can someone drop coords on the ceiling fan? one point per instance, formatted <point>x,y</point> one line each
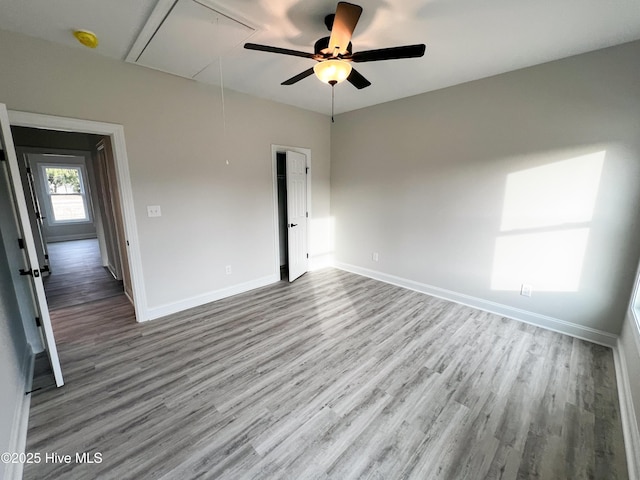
<point>334,54</point>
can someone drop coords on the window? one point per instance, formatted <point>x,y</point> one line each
<point>64,185</point>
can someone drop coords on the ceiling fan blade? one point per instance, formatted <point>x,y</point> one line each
<point>357,80</point>
<point>347,16</point>
<point>298,77</point>
<point>283,51</point>
<point>406,51</point>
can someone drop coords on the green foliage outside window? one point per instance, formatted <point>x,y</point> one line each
<point>63,180</point>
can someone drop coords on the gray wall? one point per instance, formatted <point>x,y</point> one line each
<point>14,353</point>
<point>213,214</point>
<point>473,188</point>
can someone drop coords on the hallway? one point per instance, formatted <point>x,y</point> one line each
<point>77,278</point>
<point>77,275</point>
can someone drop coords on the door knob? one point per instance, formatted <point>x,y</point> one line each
<point>293,225</point>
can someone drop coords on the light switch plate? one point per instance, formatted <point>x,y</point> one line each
<point>154,211</point>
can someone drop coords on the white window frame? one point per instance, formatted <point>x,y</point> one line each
<point>84,192</point>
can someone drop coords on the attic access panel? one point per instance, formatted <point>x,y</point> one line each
<point>187,39</point>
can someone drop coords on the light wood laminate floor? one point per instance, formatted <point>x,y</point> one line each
<point>333,377</point>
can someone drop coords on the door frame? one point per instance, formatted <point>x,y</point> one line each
<point>110,246</point>
<point>275,149</point>
<point>116,133</point>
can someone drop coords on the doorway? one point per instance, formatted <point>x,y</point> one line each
<point>120,171</point>
<point>36,269</point>
<point>292,191</point>
<point>70,201</point>
<point>283,246</point>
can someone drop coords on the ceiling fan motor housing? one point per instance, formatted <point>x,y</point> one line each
<point>321,47</point>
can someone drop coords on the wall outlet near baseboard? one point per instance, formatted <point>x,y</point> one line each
<point>227,269</point>
<point>525,290</point>
<point>374,256</point>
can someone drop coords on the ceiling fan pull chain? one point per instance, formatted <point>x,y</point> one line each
<point>224,113</point>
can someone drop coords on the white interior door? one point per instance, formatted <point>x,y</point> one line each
<point>30,257</point>
<point>35,212</point>
<point>297,214</point>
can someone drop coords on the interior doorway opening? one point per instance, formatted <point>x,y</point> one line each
<point>283,247</point>
<point>115,134</point>
<point>292,191</point>
<point>71,203</point>
<point>71,192</point>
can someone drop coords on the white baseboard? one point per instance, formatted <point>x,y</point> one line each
<point>627,413</point>
<point>543,321</point>
<point>67,238</point>
<point>170,308</point>
<point>18,440</point>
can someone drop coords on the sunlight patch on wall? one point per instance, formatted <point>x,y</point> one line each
<point>321,235</point>
<point>550,261</point>
<point>555,194</point>
<point>545,225</point>
<point>321,242</point>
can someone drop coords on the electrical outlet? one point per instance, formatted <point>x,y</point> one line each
<point>154,211</point>
<point>227,269</point>
<point>525,290</point>
<point>374,256</point>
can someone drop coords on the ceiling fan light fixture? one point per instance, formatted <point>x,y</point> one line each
<point>332,71</point>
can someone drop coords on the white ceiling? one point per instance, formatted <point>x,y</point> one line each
<point>466,39</point>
